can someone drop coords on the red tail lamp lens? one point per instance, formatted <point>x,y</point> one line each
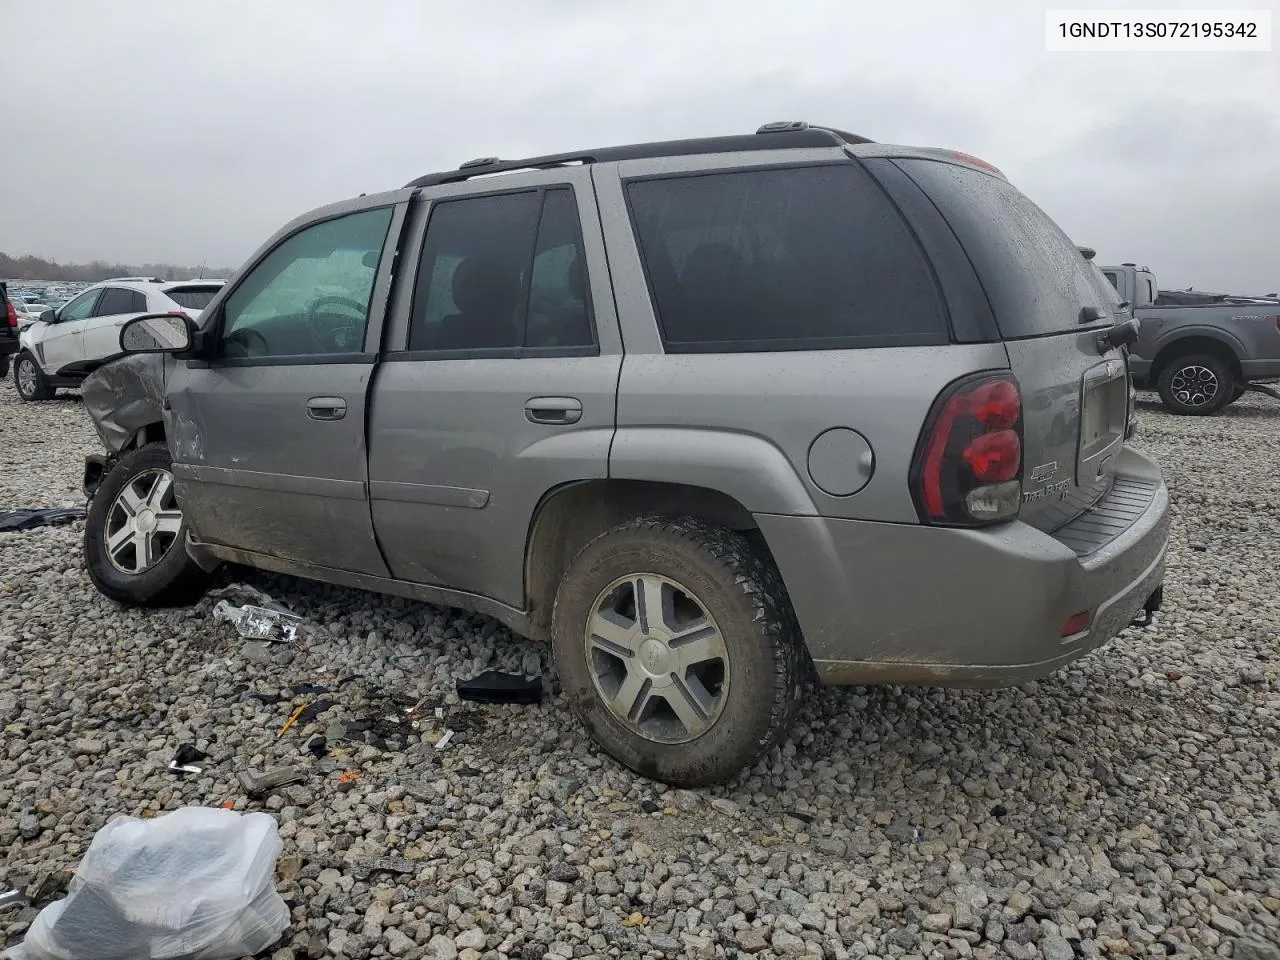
<point>994,457</point>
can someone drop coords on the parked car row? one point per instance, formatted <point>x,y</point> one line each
<point>710,416</point>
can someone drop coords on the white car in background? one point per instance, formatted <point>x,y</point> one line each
<point>28,312</point>
<point>64,346</point>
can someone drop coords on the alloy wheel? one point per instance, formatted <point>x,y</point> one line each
<point>143,523</point>
<point>1194,385</point>
<point>658,658</point>
<point>26,377</point>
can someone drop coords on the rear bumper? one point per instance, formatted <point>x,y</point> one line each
<point>911,604</point>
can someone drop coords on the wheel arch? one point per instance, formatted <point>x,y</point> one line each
<point>570,516</point>
<point>1202,341</point>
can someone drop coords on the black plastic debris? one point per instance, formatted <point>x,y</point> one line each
<point>32,517</point>
<point>494,687</point>
<point>187,760</point>
<point>317,745</point>
<point>650,806</point>
<point>256,784</point>
<point>301,688</point>
<point>312,711</point>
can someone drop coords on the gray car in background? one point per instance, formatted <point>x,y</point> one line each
<point>711,416</point>
<point>1200,351</point>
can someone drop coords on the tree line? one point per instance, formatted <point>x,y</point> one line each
<point>37,268</point>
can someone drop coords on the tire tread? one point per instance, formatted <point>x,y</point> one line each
<point>755,577</point>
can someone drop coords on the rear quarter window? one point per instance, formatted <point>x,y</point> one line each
<point>192,298</point>
<point>797,258</point>
<point>1033,274</point>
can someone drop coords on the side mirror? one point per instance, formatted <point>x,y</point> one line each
<point>156,333</point>
<point>48,316</point>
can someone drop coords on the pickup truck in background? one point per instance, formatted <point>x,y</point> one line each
<point>1200,351</point>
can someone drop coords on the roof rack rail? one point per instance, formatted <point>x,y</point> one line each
<point>132,280</point>
<point>781,135</point>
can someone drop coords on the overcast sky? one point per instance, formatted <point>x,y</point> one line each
<point>189,131</point>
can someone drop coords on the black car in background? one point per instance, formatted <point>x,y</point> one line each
<point>8,329</point>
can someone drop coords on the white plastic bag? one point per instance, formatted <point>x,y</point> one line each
<point>195,884</point>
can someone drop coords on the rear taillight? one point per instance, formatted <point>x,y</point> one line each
<point>975,161</point>
<point>967,469</point>
<point>13,314</point>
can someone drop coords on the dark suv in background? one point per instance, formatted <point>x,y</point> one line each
<point>8,330</point>
<point>710,416</point>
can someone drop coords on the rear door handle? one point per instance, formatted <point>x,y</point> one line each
<point>326,408</point>
<point>553,410</point>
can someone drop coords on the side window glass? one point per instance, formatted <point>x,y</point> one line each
<point>1113,279</point>
<point>471,283</point>
<point>310,295</point>
<point>114,301</point>
<point>80,307</point>
<point>785,259</point>
<point>138,302</point>
<point>559,311</point>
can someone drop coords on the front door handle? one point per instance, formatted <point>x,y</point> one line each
<point>326,408</point>
<point>554,410</point>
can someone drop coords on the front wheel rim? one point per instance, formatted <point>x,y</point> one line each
<point>658,659</point>
<point>143,522</point>
<point>1194,385</point>
<point>26,377</point>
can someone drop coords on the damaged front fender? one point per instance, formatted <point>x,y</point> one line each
<point>127,396</point>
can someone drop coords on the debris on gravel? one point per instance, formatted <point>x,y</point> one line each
<point>1125,806</point>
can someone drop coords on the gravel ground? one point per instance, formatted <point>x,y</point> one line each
<point>1125,807</point>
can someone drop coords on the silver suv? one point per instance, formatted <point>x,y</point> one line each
<point>711,416</point>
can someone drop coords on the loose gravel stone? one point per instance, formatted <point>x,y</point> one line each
<point>1121,807</point>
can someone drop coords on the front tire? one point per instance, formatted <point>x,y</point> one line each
<point>29,380</point>
<point>1196,385</point>
<point>135,535</point>
<point>677,648</point>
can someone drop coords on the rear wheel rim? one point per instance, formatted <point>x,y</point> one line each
<point>658,659</point>
<point>26,377</point>
<point>143,522</point>
<point>1194,385</point>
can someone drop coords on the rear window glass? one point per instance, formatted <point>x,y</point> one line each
<point>1033,274</point>
<point>193,298</point>
<point>801,258</point>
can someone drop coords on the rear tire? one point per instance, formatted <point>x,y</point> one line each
<point>4,366</point>
<point>29,380</point>
<point>698,709</point>
<point>135,535</point>
<point>1239,392</point>
<point>1196,384</point>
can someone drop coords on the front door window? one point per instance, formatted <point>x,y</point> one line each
<point>80,307</point>
<point>310,296</point>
